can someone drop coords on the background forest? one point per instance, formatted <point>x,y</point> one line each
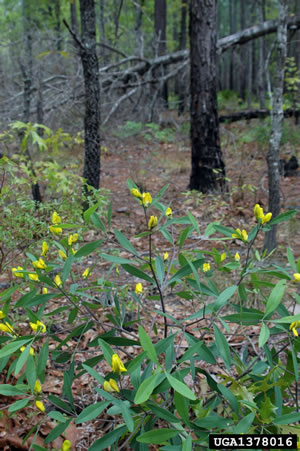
<point>149,244</point>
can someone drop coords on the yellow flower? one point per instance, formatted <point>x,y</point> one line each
<point>117,364</point>
<point>39,264</point>
<point>266,218</point>
<point>298,445</point>
<point>58,280</point>
<point>37,386</point>
<point>66,446</point>
<point>45,290</point>
<point>31,350</point>
<point>72,239</point>
<point>16,272</point>
<point>86,273</point>
<point>223,256</point>
<point>56,230</point>
<point>62,254</point>
<point>117,270</point>
<point>73,251</point>
<point>34,277</point>
<point>136,193</point>
<point>2,315</point>
<point>152,222</point>
<point>237,257</point>
<point>240,235</point>
<point>111,386</point>
<point>206,267</point>
<point>6,327</point>
<point>40,406</point>
<point>45,248</point>
<point>258,212</point>
<point>169,212</point>
<point>139,288</point>
<point>55,218</point>
<point>38,326</point>
<point>244,235</point>
<point>297,277</point>
<point>146,199</point>
<point>166,256</point>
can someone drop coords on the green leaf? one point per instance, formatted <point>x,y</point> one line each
<point>193,221</point>
<point>222,346</point>
<point>42,360</point>
<point>224,296</point>
<point>97,222</point>
<point>88,248</point>
<point>227,393</point>
<point>94,373</point>
<point>145,389</point>
<point>91,412</point>
<point>124,242</point>
<point>57,431</point>
<point>275,297</point>
<point>137,273</point>
<point>13,346</point>
<point>187,444</point>
<point>163,413</point>
<point>180,387</point>
<point>67,268</point>
<point>19,405</point>
<point>224,230</point>
<point>57,416</point>
<point>22,359</point>
<point>160,268</point>
<point>59,403</point>
<point>87,214</point>
<point>263,335</point>
<point>10,390</point>
<point>246,318</point>
<point>108,439</point>
<point>107,351</point>
<point>291,259</point>
<point>283,217</point>
<point>109,213</point>
<point>24,300</point>
<point>126,414</point>
<point>157,436</point>
<point>115,259</point>
<point>186,270</point>
<point>147,345</point>
<point>288,418</point>
<point>244,425</point>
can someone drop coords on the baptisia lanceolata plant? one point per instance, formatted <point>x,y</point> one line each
<point>170,339</point>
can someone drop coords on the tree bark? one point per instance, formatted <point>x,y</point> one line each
<point>261,57</point>
<point>160,23</point>
<point>89,59</point>
<point>208,168</point>
<point>277,120</point>
<point>182,46</point>
<point>243,53</point>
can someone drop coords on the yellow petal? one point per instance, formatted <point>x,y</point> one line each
<point>58,280</point>
<point>40,406</point>
<point>37,386</point>
<point>117,364</point>
<point>297,277</point>
<point>206,267</point>
<point>66,446</point>
<point>152,222</point>
<point>62,254</point>
<point>56,219</point>
<point>223,256</point>
<point>2,315</point>
<point>146,199</point>
<point>237,257</point>
<point>45,248</point>
<point>139,288</point>
<point>136,193</point>
<point>169,212</point>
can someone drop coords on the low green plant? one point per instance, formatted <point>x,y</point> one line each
<point>150,131</point>
<point>261,131</point>
<point>169,380</point>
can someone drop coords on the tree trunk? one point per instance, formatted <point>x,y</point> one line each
<point>277,120</point>
<point>58,25</point>
<point>243,54</point>
<point>160,23</point>
<point>89,59</point>
<point>73,15</point>
<point>182,46</point>
<point>138,28</point>
<point>27,70</point>
<point>261,57</point>
<point>208,169</point>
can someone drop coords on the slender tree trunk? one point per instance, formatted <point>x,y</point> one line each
<point>261,57</point>
<point>182,46</point>
<point>277,121</point>
<point>58,25</point>
<point>73,14</point>
<point>27,69</point>
<point>208,169</point>
<point>243,53</point>
<point>138,28</point>
<point>160,24</point>
<point>231,31</point>
<point>89,59</point>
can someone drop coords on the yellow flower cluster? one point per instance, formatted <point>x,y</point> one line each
<point>6,327</point>
<point>86,273</point>
<point>72,239</point>
<point>152,222</point>
<point>56,219</point>
<point>169,212</point>
<point>16,271</point>
<point>223,256</point>
<point>260,216</point>
<point>111,386</point>
<point>40,406</point>
<point>58,280</point>
<point>145,198</point>
<point>117,364</point>
<point>139,288</point>
<point>294,326</point>
<point>240,235</point>
<point>45,249</point>
<point>38,326</point>
<point>31,350</point>
<point>206,267</point>
<point>66,446</point>
<point>40,264</point>
<point>296,277</point>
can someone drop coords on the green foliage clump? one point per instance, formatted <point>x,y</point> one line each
<point>261,131</point>
<point>165,379</point>
<point>150,131</point>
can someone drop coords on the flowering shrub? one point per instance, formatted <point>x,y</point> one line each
<point>182,378</point>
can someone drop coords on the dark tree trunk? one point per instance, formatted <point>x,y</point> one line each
<point>208,169</point>
<point>57,25</point>
<point>182,46</point>
<point>73,15</point>
<point>261,57</point>
<point>91,171</point>
<point>160,24</point>
<point>231,31</point>
<point>243,54</point>
<point>138,28</point>
<point>27,70</point>
<point>277,120</point>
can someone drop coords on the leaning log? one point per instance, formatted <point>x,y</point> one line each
<point>255,114</point>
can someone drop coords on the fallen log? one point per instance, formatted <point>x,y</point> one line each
<point>255,114</point>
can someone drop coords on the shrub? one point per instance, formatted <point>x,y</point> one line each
<point>174,382</point>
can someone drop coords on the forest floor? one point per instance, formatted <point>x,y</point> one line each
<point>152,165</point>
